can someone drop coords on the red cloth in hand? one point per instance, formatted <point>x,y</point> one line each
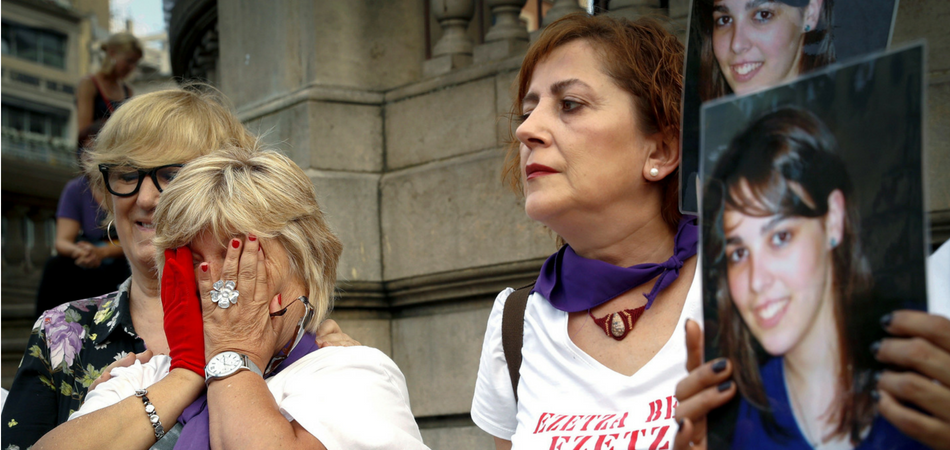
<point>183,323</point>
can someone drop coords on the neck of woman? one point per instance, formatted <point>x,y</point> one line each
<point>109,78</point>
<point>145,307</point>
<point>622,242</point>
<point>812,371</point>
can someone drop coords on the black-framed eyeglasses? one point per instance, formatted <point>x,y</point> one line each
<point>125,181</point>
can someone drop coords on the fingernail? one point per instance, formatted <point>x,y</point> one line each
<point>280,300</point>
<point>719,365</point>
<point>875,347</point>
<point>724,385</point>
<point>877,377</point>
<point>204,267</point>
<point>886,320</point>
<point>251,237</point>
<point>876,396</point>
<point>235,243</point>
<point>679,425</point>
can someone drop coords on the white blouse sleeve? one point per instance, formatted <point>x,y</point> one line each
<point>348,398</point>
<point>124,382</point>
<point>494,408</point>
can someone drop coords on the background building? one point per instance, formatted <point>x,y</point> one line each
<point>48,45</point>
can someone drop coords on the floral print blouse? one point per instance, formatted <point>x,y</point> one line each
<point>68,349</point>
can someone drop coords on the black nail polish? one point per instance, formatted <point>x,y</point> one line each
<point>886,320</point>
<point>875,347</point>
<point>876,396</point>
<point>725,385</point>
<point>719,365</point>
<point>679,425</point>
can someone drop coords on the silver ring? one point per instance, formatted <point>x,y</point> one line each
<point>224,294</point>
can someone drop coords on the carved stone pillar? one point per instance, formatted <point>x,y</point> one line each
<point>41,249</point>
<point>508,36</point>
<point>560,9</point>
<point>454,49</point>
<point>634,9</point>
<point>14,242</point>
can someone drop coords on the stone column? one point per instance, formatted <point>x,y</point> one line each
<point>560,9</point>
<point>40,251</point>
<point>508,36</point>
<point>454,49</point>
<point>679,17</point>
<point>634,9</point>
<point>14,243</point>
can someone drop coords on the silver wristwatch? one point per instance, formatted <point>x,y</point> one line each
<point>225,364</point>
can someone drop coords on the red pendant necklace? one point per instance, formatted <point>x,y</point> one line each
<point>618,324</point>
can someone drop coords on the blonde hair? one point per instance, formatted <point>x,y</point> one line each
<point>119,42</point>
<point>237,191</point>
<point>164,127</point>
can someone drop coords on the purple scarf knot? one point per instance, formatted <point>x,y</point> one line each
<point>573,283</point>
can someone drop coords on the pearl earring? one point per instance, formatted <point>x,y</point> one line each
<point>654,172</point>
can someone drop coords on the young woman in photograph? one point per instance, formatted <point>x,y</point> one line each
<point>747,45</point>
<point>792,289</point>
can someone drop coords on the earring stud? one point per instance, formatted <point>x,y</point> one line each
<point>834,242</point>
<point>654,172</point>
<point>807,28</point>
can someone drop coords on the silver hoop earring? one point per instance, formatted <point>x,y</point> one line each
<point>108,234</point>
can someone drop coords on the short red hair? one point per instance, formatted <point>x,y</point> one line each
<point>642,57</point>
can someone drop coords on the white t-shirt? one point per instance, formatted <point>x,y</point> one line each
<point>568,400</point>
<point>347,397</point>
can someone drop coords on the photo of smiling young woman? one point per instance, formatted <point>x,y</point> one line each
<point>737,47</point>
<point>791,287</point>
<point>748,45</point>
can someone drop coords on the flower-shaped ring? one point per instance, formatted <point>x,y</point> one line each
<point>224,294</point>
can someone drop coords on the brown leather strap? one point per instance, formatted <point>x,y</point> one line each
<point>512,332</point>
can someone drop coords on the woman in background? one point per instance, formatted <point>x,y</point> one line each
<point>101,93</point>
<point>88,262</point>
<point>748,45</point>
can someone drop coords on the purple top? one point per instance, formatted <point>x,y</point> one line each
<point>573,283</point>
<point>77,203</point>
<point>195,433</point>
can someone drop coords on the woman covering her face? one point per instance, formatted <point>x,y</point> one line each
<point>748,45</point>
<point>249,270</point>
<point>793,290</point>
<point>596,157</point>
<point>139,151</point>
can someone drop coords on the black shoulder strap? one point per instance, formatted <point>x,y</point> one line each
<point>512,332</point>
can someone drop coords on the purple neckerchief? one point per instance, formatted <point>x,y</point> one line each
<point>195,433</point>
<point>573,283</point>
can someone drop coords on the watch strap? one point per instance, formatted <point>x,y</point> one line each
<point>246,364</point>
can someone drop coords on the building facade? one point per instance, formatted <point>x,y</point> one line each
<point>396,110</point>
<point>48,45</point>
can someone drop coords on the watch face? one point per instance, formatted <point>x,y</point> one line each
<point>224,364</point>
